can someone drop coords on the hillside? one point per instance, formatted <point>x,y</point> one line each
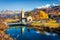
<point>53,12</point>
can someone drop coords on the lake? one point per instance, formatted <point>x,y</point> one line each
<point>16,34</point>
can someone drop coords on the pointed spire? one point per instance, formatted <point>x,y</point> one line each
<point>22,13</point>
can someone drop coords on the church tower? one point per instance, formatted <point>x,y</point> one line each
<point>22,13</point>
<point>23,19</point>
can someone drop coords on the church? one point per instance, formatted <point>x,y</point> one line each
<point>25,19</point>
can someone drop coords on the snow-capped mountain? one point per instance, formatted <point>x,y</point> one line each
<point>47,6</point>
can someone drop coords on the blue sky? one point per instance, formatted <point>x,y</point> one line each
<point>25,4</point>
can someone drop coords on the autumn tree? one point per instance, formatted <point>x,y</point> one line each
<point>29,13</point>
<point>43,15</point>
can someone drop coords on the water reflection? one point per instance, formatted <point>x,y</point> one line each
<point>29,34</point>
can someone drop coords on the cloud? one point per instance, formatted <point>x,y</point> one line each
<point>48,5</point>
<point>45,6</point>
<point>55,4</point>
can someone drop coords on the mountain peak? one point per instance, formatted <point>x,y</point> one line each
<point>47,6</point>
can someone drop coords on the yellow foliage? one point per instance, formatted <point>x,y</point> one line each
<point>10,20</point>
<point>43,15</point>
<point>40,15</point>
<point>51,25</point>
<point>36,23</point>
<point>51,21</point>
<point>46,24</point>
<point>58,13</point>
<point>33,18</point>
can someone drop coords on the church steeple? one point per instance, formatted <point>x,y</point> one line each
<point>22,16</point>
<point>22,13</point>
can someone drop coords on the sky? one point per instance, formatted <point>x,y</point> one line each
<point>25,4</point>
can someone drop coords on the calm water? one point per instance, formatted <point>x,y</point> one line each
<point>16,34</point>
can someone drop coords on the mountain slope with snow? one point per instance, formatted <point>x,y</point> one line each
<point>47,6</point>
